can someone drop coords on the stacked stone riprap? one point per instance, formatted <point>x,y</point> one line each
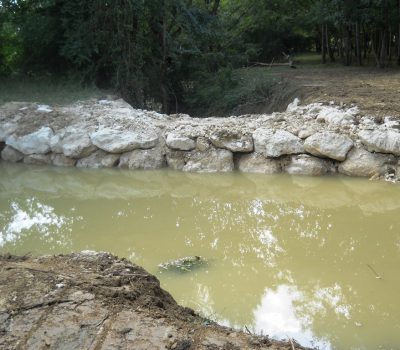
<point>315,139</point>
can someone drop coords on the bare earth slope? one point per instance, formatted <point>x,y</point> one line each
<point>96,301</point>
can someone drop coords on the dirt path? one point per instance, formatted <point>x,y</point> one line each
<point>375,91</point>
<point>96,301</point>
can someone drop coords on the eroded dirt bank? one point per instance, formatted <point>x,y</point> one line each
<point>96,301</point>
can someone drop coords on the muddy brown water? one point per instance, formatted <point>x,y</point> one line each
<point>316,259</point>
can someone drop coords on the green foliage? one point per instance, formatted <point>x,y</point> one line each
<point>185,54</point>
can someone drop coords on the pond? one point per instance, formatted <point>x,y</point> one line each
<point>316,259</point>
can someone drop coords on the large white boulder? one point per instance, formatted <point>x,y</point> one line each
<point>37,142</point>
<point>257,163</point>
<point>329,145</point>
<point>360,162</point>
<point>115,141</point>
<point>180,142</point>
<point>304,164</point>
<point>276,143</point>
<point>75,145</point>
<point>383,141</point>
<point>232,141</point>
<point>211,161</point>
<point>7,129</point>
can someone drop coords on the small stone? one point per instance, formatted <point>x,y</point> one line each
<point>202,144</point>
<point>180,142</point>
<point>98,159</point>
<point>232,141</point>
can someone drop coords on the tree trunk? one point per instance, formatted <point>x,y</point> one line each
<point>328,45</point>
<point>323,45</point>
<point>163,73</point>
<point>398,35</point>
<point>358,45</point>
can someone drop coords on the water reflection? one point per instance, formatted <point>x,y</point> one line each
<point>288,256</point>
<point>33,218</point>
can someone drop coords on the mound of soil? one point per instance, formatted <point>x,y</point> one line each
<point>96,301</point>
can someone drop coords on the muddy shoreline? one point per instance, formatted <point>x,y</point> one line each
<point>315,139</point>
<point>94,300</point>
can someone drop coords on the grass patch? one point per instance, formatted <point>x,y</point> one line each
<point>45,90</point>
<point>227,92</point>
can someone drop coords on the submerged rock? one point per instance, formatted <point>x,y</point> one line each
<point>329,145</point>
<point>383,141</point>
<point>37,142</point>
<point>185,264</point>
<point>276,144</point>
<point>360,162</point>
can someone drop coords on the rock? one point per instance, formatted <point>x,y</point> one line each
<point>202,144</point>
<point>257,163</point>
<point>328,144</point>
<point>304,164</point>
<point>98,159</point>
<point>77,145</point>
<point>306,132</point>
<point>276,144</point>
<point>180,142</point>
<point>10,154</point>
<point>115,141</point>
<point>176,159</point>
<point>360,162</point>
<point>185,264</point>
<point>2,145</point>
<point>143,159</point>
<point>232,141</point>
<point>211,161</point>
<point>37,142</point>
<point>383,141</point>
<point>44,109</point>
<point>37,159</point>
<point>6,130</point>
<point>61,160</point>
<point>292,107</point>
<point>333,115</point>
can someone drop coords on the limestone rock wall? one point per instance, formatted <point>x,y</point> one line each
<point>315,139</point>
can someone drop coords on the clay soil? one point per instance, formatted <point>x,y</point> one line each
<point>97,301</point>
